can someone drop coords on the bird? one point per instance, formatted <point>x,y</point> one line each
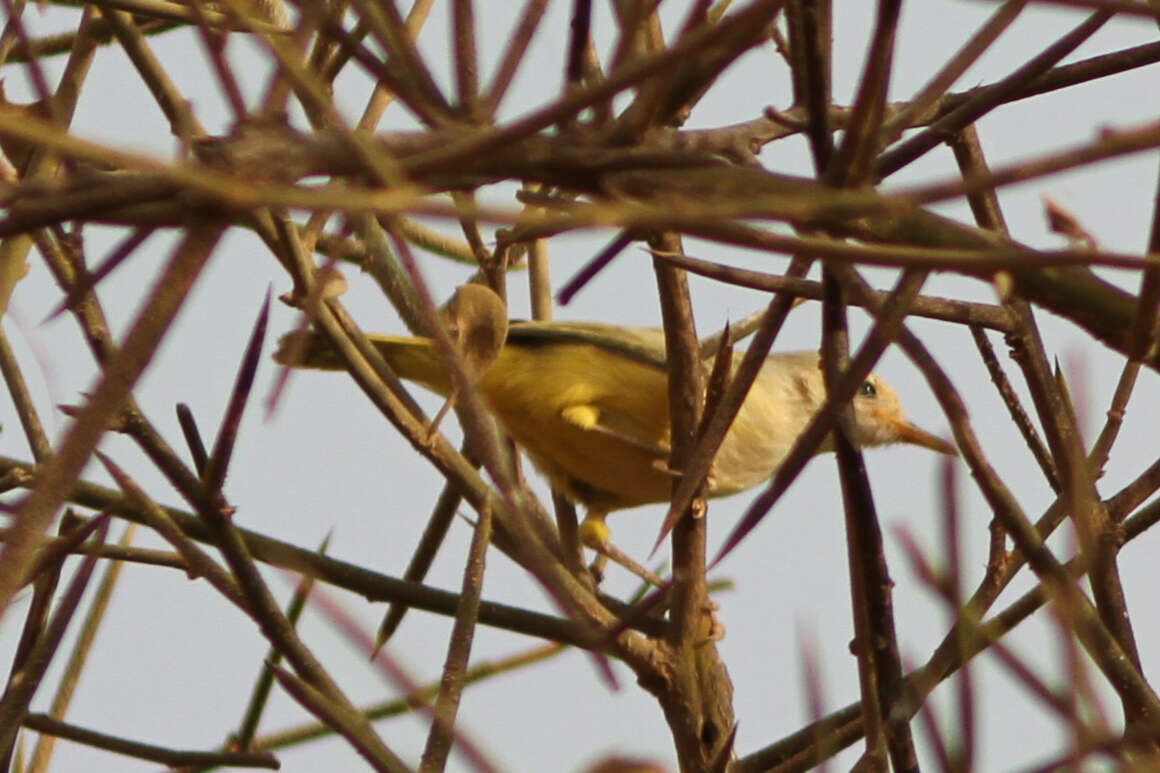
<point>588,403</point>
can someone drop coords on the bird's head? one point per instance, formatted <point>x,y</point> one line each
<point>880,420</point>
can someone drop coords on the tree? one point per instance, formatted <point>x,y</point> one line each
<point>449,170</point>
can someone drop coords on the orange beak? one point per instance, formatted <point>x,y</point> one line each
<point>905,432</point>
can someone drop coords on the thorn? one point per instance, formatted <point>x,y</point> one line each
<point>218,462</point>
<point>192,437</point>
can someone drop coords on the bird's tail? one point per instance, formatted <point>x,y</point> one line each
<point>414,359</point>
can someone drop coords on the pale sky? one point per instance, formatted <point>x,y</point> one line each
<point>326,461</point>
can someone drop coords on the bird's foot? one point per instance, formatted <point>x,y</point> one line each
<point>595,534</point>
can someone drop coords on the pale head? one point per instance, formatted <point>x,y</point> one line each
<point>878,414</point>
<point>788,392</point>
<point>880,420</point>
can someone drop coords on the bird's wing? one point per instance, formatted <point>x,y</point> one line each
<point>597,378</point>
<point>617,406</point>
<point>645,345</point>
<point>611,424</point>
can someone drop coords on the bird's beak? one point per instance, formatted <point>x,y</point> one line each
<point>905,432</point>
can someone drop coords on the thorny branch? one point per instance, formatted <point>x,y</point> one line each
<point>607,152</point>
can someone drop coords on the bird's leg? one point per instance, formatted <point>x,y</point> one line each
<point>595,534</point>
<point>596,568</point>
<point>433,427</point>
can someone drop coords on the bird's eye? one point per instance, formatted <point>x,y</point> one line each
<point>868,389</point>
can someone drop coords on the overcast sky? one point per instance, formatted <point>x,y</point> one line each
<point>327,462</point>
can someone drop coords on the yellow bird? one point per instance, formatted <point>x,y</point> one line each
<point>589,405</point>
